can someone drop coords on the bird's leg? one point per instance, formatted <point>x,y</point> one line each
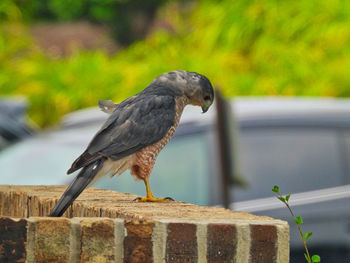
<point>149,195</point>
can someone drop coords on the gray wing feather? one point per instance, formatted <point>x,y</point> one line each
<point>135,123</point>
<point>107,106</point>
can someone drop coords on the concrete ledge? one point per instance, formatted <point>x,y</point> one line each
<point>109,227</point>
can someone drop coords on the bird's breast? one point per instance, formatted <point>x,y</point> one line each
<point>146,157</point>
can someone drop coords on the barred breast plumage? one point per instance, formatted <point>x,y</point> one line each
<point>146,157</point>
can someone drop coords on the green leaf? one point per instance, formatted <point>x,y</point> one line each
<point>307,259</point>
<point>316,258</point>
<point>307,235</point>
<point>275,189</point>
<point>282,199</point>
<point>298,220</point>
<point>287,197</point>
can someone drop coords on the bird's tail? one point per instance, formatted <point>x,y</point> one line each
<point>83,179</point>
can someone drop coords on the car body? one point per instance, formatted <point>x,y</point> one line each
<point>302,145</point>
<point>13,126</point>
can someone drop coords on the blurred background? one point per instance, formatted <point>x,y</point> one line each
<point>282,68</point>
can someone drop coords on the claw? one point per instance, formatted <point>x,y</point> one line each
<point>153,199</point>
<point>150,197</point>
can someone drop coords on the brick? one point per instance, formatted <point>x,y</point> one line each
<point>138,242</point>
<point>159,232</point>
<point>97,240</point>
<point>52,240</point>
<point>181,244</point>
<point>13,235</point>
<point>263,243</point>
<point>222,243</point>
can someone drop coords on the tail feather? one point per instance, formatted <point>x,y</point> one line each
<point>83,179</point>
<point>83,160</point>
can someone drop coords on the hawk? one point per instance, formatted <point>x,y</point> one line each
<point>136,131</point>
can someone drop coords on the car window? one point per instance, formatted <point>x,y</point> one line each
<point>181,172</point>
<point>296,159</point>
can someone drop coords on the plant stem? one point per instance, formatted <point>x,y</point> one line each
<point>300,232</point>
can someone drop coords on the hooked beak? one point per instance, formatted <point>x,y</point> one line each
<point>205,109</point>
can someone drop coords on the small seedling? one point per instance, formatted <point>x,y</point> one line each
<point>298,220</point>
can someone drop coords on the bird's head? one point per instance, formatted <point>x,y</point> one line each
<point>196,87</point>
<point>199,90</point>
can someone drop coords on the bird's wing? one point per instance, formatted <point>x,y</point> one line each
<point>135,124</point>
<point>107,106</point>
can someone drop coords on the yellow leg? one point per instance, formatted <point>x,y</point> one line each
<point>149,195</point>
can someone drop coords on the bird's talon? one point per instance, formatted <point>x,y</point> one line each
<point>153,199</point>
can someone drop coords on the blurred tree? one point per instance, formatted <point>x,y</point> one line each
<point>128,20</point>
<point>256,48</point>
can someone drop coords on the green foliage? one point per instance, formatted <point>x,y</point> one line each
<point>246,47</point>
<point>282,199</point>
<point>287,197</point>
<point>276,189</point>
<point>316,258</point>
<point>55,10</point>
<point>118,15</point>
<point>9,10</point>
<point>298,220</point>
<point>308,235</point>
<point>307,258</point>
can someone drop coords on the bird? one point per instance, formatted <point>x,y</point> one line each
<point>135,132</point>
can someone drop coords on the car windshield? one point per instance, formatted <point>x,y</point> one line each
<point>181,170</point>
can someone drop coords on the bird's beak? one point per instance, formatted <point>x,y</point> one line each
<point>205,109</point>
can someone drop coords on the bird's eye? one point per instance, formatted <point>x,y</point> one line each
<point>207,98</point>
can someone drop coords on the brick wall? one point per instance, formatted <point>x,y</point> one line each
<point>105,226</point>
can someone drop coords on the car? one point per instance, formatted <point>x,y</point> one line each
<point>300,144</point>
<point>13,126</point>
